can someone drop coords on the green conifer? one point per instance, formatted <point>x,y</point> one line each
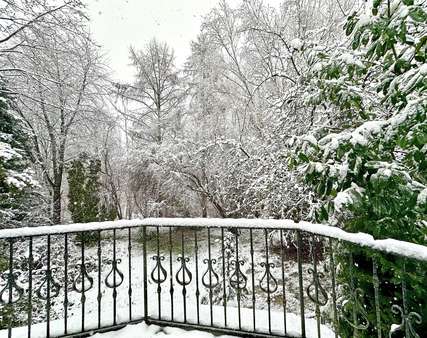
<point>15,176</point>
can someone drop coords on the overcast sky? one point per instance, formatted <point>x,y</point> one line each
<point>117,24</point>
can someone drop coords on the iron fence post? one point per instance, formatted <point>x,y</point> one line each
<point>301,285</point>
<point>144,249</point>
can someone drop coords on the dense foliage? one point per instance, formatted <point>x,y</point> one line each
<point>378,151</point>
<point>369,165</point>
<point>84,193</point>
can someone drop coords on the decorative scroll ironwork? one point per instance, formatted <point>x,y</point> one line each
<point>48,280</point>
<point>210,274</point>
<point>354,306</point>
<point>78,284</point>
<point>160,276</point>
<point>11,286</point>
<point>408,319</point>
<point>316,288</point>
<point>268,283</point>
<point>114,269</point>
<point>238,280</point>
<point>183,272</point>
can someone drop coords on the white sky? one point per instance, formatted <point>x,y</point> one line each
<point>117,24</point>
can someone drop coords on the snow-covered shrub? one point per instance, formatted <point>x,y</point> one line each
<point>368,163</point>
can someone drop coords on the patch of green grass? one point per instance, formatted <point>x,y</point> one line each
<point>3,264</point>
<point>89,238</point>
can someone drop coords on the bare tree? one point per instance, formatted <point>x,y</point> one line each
<point>18,15</point>
<point>157,90</point>
<point>56,94</point>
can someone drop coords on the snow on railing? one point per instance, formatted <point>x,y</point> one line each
<point>392,246</point>
<point>248,277</point>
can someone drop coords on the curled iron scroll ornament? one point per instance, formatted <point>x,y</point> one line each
<point>183,275</point>
<point>78,281</point>
<point>11,285</point>
<point>161,274</point>
<point>238,280</point>
<point>114,269</point>
<point>407,322</point>
<point>315,289</point>
<point>54,285</point>
<point>353,308</point>
<point>268,283</point>
<point>210,274</point>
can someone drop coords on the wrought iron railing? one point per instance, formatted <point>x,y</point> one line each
<point>259,278</point>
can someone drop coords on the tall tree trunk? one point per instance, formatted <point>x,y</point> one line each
<point>204,205</point>
<point>56,202</point>
<point>57,186</point>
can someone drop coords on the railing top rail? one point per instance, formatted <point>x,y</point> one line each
<point>392,246</point>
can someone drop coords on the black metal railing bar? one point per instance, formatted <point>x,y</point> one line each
<point>225,276</point>
<point>391,246</point>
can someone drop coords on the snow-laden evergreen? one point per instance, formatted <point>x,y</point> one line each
<point>15,174</point>
<point>371,156</point>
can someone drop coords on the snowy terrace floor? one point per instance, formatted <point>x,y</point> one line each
<point>139,330</point>
<point>148,331</point>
